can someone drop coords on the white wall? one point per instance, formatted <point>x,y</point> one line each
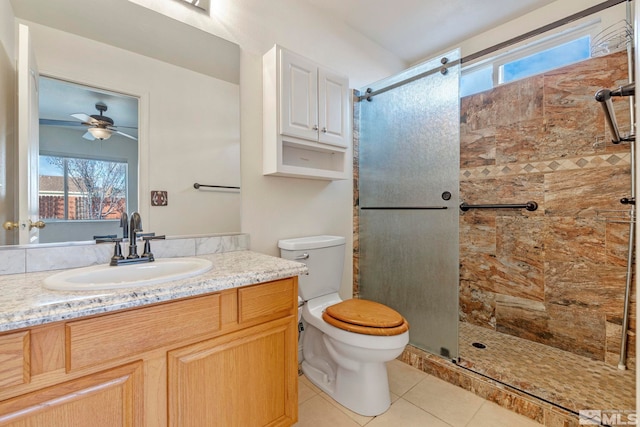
<point>274,207</point>
<point>7,125</point>
<point>189,128</point>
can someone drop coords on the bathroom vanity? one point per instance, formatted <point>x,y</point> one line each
<point>219,349</point>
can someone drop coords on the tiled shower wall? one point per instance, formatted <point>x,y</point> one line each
<point>555,275</point>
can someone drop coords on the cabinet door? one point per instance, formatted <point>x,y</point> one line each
<point>248,378</point>
<point>333,108</point>
<point>298,97</point>
<point>107,399</point>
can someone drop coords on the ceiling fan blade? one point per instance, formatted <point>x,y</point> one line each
<point>52,122</point>
<point>126,135</point>
<point>84,118</point>
<point>88,136</point>
<point>125,127</point>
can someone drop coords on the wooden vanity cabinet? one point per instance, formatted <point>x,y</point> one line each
<point>224,359</point>
<point>105,399</point>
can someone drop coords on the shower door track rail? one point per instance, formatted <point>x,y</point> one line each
<point>370,93</point>
<point>530,206</point>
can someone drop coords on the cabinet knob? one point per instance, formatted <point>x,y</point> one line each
<point>324,130</point>
<point>315,127</point>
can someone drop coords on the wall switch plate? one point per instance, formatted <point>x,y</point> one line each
<point>159,198</point>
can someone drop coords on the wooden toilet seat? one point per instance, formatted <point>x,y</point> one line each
<point>365,317</point>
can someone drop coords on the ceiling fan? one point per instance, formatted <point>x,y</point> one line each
<point>100,127</point>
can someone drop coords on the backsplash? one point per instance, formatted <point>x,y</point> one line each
<point>16,260</point>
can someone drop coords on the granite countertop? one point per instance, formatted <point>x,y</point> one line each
<point>24,302</point>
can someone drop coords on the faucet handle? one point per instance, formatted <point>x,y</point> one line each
<point>107,238</point>
<point>148,237</point>
<point>151,236</point>
<point>117,249</point>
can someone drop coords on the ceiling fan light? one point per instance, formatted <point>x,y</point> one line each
<point>100,133</point>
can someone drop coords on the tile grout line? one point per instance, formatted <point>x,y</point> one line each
<point>468,424</point>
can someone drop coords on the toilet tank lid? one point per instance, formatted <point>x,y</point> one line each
<point>312,242</point>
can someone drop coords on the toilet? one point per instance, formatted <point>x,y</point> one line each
<point>345,344</point>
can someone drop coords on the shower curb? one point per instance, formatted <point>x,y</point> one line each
<point>539,410</point>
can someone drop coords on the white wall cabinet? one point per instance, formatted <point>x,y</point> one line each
<point>306,118</point>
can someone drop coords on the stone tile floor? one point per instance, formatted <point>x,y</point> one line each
<point>418,399</point>
<point>561,377</point>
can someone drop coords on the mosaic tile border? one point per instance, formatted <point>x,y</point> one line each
<point>547,166</point>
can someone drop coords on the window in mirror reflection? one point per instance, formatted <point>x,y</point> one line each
<point>82,189</point>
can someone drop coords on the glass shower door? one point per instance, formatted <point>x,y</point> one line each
<point>408,198</point>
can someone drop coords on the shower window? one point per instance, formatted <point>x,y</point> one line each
<point>476,80</point>
<point>533,58</point>
<point>545,60</point>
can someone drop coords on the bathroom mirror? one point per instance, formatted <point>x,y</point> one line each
<point>186,83</point>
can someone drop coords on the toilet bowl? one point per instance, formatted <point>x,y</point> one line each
<point>346,343</point>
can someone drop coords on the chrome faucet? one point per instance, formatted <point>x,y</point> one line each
<point>135,227</point>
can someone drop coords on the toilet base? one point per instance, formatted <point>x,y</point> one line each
<point>365,391</point>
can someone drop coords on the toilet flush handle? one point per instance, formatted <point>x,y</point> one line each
<point>303,256</point>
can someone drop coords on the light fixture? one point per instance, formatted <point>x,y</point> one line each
<point>100,133</point>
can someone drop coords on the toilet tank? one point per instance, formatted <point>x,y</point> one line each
<point>324,257</point>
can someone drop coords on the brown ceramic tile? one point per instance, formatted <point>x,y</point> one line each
<point>571,89</point>
<point>477,233</point>
<point>508,400</point>
<point>585,285</point>
<point>477,147</point>
<point>574,240</point>
<point>617,243</point>
<point>556,418</point>
<point>573,329</point>
<point>520,247</point>
<point>477,111</point>
<point>477,306</point>
<point>531,98</point>
<point>506,103</point>
<point>520,142</point>
<point>581,192</point>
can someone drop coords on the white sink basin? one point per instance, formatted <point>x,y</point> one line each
<point>123,276</point>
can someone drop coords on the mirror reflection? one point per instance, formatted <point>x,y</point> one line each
<point>166,114</point>
<point>88,160</point>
